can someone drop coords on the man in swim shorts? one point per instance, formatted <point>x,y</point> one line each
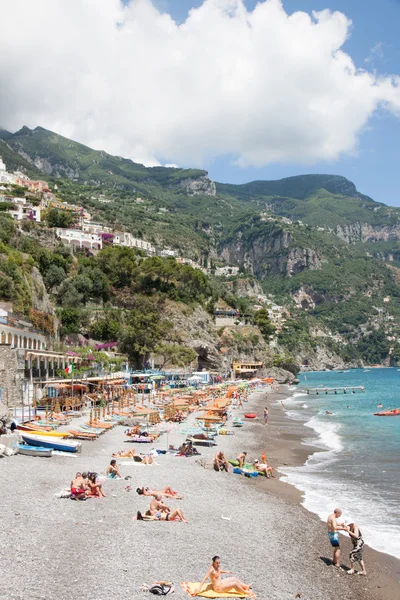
<point>333,535</point>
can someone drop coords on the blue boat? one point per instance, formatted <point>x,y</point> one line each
<point>51,442</point>
<point>34,450</point>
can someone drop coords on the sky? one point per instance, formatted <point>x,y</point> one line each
<point>247,90</point>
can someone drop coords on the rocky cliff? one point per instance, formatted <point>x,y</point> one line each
<point>364,232</point>
<point>273,252</point>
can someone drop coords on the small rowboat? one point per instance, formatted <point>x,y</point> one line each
<point>250,415</point>
<point>51,442</point>
<point>388,413</point>
<point>34,450</point>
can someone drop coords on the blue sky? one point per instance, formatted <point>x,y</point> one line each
<point>375,168</point>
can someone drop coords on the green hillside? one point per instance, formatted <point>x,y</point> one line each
<point>61,157</point>
<point>248,226</point>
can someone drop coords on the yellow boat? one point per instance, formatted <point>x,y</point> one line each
<point>60,434</point>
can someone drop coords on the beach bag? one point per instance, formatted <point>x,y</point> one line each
<point>160,589</point>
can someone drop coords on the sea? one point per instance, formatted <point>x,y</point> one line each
<point>358,465</point>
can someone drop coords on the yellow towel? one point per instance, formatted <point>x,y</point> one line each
<point>208,592</point>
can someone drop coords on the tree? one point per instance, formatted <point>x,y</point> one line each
<point>262,320</point>
<point>84,286</point>
<point>107,329</point>
<point>54,276</point>
<point>68,295</point>
<point>143,331</point>
<point>58,218</point>
<point>175,354</point>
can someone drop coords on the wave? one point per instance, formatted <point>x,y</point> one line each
<point>325,485</point>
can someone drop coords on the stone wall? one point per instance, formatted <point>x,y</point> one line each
<point>11,376</point>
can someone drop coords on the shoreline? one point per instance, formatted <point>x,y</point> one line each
<point>286,447</point>
<point>258,526</point>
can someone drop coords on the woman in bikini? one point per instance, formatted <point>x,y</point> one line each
<point>167,492</point>
<point>220,585</point>
<point>95,489</point>
<point>175,515</point>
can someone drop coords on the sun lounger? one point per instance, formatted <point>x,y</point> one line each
<point>81,435</point>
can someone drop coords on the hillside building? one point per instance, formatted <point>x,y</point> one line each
<point>80,239</point>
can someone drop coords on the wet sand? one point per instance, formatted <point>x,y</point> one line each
<point>283,440</point>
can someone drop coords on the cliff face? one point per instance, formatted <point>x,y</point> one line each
<point>272,254</point>
<point>196,186</point>
<point>216,347</point>
<point>363,232</point>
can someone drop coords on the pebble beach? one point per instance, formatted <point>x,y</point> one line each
<point>54,549</point>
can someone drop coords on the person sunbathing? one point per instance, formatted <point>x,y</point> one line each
<point>144,459</point>
<point>263,468</point>
<point>113,471</point>
<point>167,492</point>
<point>78,487</point>
<point>157,506</point>
<point>175,515</point>
<point>95,488</point>
<point>124,454</point>
<point>220,585</point>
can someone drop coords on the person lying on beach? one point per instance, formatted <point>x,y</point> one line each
<point>220,462</point>
<point>333,528</point>
<point>144,459</point>
<point>124,454</point>
<point>263,468</point>
<point>157,505</point>
<point>167,492</point>
<point>113,470</point>
<point>175,515</point>
<point>241,459</point>
<point>78,487</point>
<point>95,488</point>
<point>220,585</point>
<point>356,555</point>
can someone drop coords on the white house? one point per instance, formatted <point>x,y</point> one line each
<point>124,238</point>
<point>80,239</point>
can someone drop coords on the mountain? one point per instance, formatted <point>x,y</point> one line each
<point>328,201</point>
<point>314,244</point>
<point>58,156</point>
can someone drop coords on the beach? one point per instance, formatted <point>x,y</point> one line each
<point>53,548</point>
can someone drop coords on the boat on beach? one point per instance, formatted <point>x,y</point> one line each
<point>27,450</point>
<point>58,434</point>
<point>51,442</point>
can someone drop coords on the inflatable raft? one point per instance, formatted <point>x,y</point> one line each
<point>388,413</point>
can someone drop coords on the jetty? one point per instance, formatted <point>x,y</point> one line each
<point>319,391</point>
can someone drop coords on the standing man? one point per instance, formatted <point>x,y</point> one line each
<point>266,416</point>
<point>333,535</point>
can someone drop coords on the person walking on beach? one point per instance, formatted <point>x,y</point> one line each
<point>266,416</point>
<point>356,555</point>
<point>333,535</point>
<point>220,585</point>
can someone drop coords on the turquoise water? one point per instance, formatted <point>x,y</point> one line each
<point>358,468</point>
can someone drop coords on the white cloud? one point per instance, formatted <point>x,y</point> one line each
<point>259,85</point>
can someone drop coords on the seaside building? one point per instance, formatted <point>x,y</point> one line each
<point>246,370</point>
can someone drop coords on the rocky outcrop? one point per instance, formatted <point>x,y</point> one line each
<point>246,288</point>
<point>364,232</point>
<point>272,253</point>
<point>197,186</point>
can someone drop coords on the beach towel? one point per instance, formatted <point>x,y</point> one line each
<point>208,592</point>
